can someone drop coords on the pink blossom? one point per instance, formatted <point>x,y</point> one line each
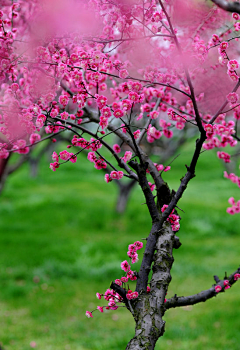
<point>98,295</point>
<point>101,101</point>
<point>236,276</point>
<point>114,175</point>
<point>55,157</point>
<point>233,76</point>
<point>148,289</point>
<point>134,295</point>
<point>123,73</point>
<point>232,97</point>
<point>54,166</point>
<point>152,186</point>
<point>125,266</point>
<point>63,99</point>
<point>33,344</point>
<point>120,174</point>
<point>135,258</point>
<point>124,279</point>
<point>64,115</point>
<point>92,157</point>
<point>231,210</point>
<point>215,38</point>
<point>133,96</point>
<point>34,138</point>
<point>138,245</point>
<point>237,26</point>
<point>118,281</point>
<point>127,105</point>
<point>235,16</point>
<point>154,114</point>
<point>131,295</point>
<point>4,153</point>
<point>131,275</point>
<point>88,314</point>
<point>136,134</point>
<point>64,155</point>
<point>100,308</point>
<point>225,156</point>
<point>226,282</point>
<point>116,148</point>
<point>118,113</point>
<point>218,288</point>
<point>224,45</point>
<point>127,156</point>
<point>112,305</point>
<point>231,201</point>
<point>168,133</point>
<point>106,112</point>
<point>232,65</point>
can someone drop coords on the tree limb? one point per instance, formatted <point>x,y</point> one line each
<point>202,296</point>
<point>228,6</point>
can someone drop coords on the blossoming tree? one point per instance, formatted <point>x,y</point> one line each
<point>139,70</point>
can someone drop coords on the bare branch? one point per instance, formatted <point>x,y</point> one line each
<point>202,296</point>
<point>233,6</point>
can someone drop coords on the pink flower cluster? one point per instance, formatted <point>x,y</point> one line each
<point>232,97</point>
<point>113,297</point>
<point>132,250</point>
<point>99,163</point>
<point>131,295</point>
<point>173,219</point>
<point>224,156</point>
<point>232,177</point>
<point>236,276</point>
<point>114,175</point>
<point>223,130</point>
<point>218,288</point>
<point>180,120</point>
<point>64,155</point>
<point>235,208</point>
<point>160,167</point>
<point>127,156</point>
<point>153,134</point>
<point>93,144</point>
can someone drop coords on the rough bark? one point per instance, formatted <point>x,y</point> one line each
<point>149,307</point>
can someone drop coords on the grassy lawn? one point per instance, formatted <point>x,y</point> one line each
<point>61,242</point>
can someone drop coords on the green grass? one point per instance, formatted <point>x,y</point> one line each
<point>61,242</point>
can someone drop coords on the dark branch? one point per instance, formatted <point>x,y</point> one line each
<point>228,6</point>
<point>202,296</point>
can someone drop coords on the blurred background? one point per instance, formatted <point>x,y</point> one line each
<point>62,241</point>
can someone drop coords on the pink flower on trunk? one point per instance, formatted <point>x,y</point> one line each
<point>218,288</point>
<point>236,276</point>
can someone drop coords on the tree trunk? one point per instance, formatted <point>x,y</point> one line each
<point>123,195</point>
<point>3,165</point>
<point>149,308</point>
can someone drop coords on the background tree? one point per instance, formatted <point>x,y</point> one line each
<point>104,65</point>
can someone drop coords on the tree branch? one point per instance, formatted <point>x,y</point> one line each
<point>202,296</point>
<point>228,6</point>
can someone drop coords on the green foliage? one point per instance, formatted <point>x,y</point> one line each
<point>61,242</point>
